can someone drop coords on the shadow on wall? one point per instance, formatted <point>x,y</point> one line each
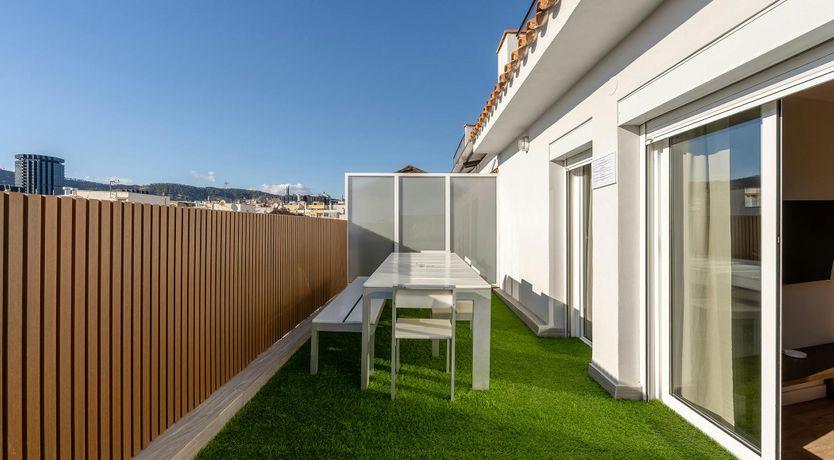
<point>367,250</point>
<point>536,302</point>
<point>632,47</point>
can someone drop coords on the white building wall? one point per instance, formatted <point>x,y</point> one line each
<point>531,187</point>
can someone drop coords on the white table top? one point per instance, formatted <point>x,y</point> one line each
<point>434,268</point>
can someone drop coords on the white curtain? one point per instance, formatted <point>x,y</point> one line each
<point>705,334</point>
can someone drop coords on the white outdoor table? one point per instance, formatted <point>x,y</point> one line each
<point>435,268</point>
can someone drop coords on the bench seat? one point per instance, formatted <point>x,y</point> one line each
<point>343,314</point>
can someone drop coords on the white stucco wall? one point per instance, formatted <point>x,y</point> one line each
<point>531,191</point>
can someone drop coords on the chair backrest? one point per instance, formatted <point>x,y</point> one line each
<point>424,296</point>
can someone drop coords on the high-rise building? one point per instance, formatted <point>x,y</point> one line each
<point>39,173</point>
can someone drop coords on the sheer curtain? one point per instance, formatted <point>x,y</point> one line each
<point>705,339</point>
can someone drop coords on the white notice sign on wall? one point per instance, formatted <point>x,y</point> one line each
<point>604,170</point>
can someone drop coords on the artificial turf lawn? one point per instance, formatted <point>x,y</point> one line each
<point>541,404</point>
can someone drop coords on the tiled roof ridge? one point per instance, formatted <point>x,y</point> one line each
<point>526,38</point>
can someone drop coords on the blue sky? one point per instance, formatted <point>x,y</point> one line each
<point>247,92</point>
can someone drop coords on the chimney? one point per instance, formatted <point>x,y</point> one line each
<point>508,44</point>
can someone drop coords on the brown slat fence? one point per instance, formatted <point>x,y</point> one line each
<point>119,318</point>
<point>745,231</point>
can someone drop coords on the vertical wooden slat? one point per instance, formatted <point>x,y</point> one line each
<point>190,385</point>
<point>33,346</point>
<point>51,272</point>
<point>197,308</point>
<point>163,320</point>
<point>116,336</point>
<point>172,292</point>
<point>145,327</point>
<point>179,318</point>
<point>106,305</point>
<point>211,354</point>
<point>79,351</point>
<point>136,332</point>
<point>153,358</point>
<point>228,284</point>
<point>92,322</point>
<point>66,287</point>
<point>4,260</point>
<point>127,330</point>
<point>236,300</point>
<point>247,264</point>
<point>153,325</point>
<point>15,426</point>
<point>201,308</point>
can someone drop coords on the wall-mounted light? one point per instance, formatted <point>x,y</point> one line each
<point>524,144</point>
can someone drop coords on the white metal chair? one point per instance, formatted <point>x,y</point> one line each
<point>423,297</point>
<point>463,311</point>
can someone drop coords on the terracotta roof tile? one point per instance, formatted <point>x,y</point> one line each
<point>525,40</point>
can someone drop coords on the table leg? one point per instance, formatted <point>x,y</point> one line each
<point>372,352</point>
<point>366,313</point>
<point>480,340</point>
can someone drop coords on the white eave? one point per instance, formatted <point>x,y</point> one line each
<point>578,34</point>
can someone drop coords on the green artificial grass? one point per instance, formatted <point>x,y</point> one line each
<point>541,404</point>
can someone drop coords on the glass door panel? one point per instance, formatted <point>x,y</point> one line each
<point>716,272</point>
<point>579,196</point>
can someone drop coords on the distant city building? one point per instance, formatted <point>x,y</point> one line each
<point>10,188</point>
<point>222,205</point>
<point>40,174</point>
<point>124,196</point>
<point>332,209</point>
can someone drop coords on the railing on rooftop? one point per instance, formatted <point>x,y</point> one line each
<point>522,26</point>
<point>462,144</point>
<point>120,318</point>
<point>459,150</point>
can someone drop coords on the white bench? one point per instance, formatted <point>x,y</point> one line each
<point>343,314</point>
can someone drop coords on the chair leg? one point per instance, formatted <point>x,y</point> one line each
<point>398,356</point>
<point>314,351</point>
<point>435,348</point>
<point>393,364</point>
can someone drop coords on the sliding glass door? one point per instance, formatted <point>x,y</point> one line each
<point>715,207</point>
<point>579,235</point>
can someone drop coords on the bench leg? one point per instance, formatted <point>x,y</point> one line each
<point>447,356</point>
<point>452,354</point>
<point>435,348</point>
<point>372,352</point>
<point>314,350</point>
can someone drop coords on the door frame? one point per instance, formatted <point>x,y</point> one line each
<point>659,299</point>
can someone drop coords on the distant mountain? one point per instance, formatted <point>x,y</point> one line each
<point>179,192</point>
<point>6,177</point>
<point>191,193</point>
